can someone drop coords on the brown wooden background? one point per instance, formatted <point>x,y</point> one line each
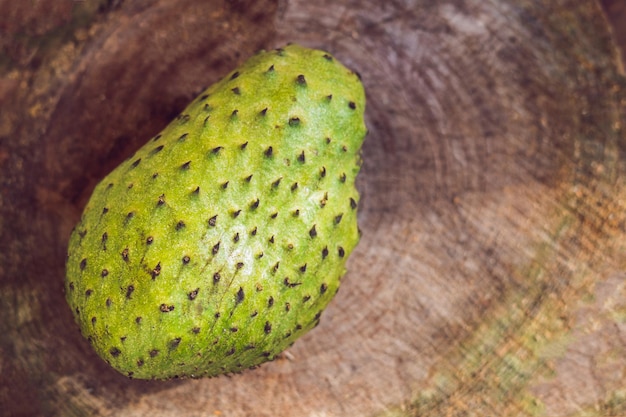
<point>491,274</point>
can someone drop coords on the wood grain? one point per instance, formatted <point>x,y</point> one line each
<point>490,275</point>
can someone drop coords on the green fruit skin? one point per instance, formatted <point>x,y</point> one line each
<point>222,240</point>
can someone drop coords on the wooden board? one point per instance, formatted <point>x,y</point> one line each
<point>490,278</point>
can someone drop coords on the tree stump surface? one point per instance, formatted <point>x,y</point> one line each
<point>490,278</point>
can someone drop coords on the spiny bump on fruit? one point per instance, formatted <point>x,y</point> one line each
<point>221,241</point>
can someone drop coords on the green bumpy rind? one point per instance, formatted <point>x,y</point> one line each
<point>222,240</point>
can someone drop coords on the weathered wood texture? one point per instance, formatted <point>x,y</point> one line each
<point>615,11</point>
<point>490,278</point>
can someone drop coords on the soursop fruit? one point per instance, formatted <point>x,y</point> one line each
<point>222,240</point>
